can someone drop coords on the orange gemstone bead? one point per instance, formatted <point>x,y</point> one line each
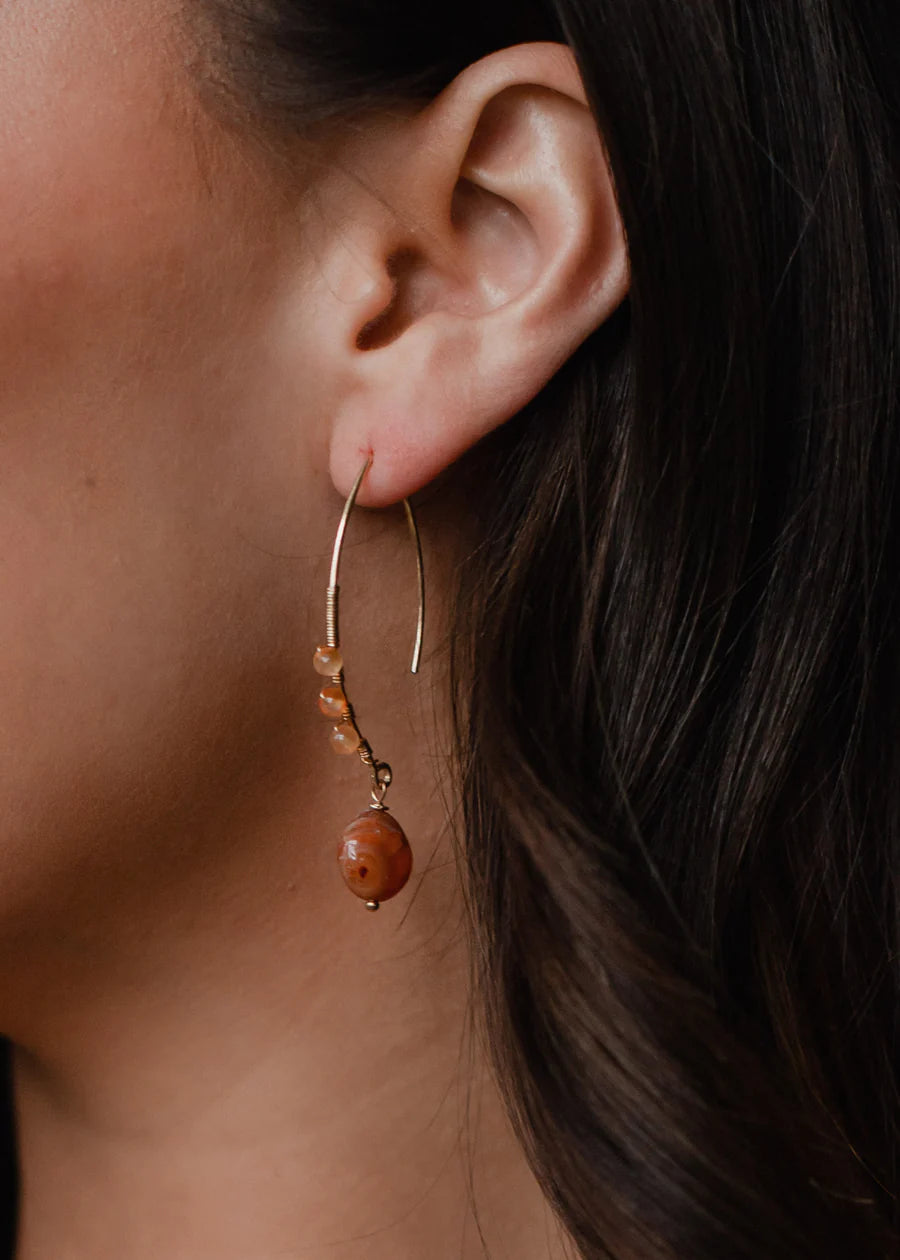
<point>332,701</point>
<point>344,739</point>
<point>374,855</point>
<point>328,660</point>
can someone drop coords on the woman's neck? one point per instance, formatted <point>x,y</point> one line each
<point>262,1068</point>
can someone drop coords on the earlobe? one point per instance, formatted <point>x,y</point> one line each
<point>505,250</point>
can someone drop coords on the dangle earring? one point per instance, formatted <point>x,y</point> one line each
<point>373,853</point>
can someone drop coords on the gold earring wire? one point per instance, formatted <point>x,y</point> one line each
<point>374,856</point>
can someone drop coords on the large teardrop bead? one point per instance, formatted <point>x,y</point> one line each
<point>374,855</point>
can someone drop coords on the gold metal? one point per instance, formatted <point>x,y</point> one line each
<point>331,596</point>
<point>381,771</point>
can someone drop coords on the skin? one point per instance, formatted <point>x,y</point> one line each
<point>218,1051</point>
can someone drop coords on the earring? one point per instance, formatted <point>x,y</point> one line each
<point>373,853</point>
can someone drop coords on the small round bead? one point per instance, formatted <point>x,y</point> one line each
<point>328,661</point>
<point>344,739</point>
<point>332,701</point>
<point>374,856</point>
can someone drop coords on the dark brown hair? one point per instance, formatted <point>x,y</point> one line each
<point>675,664</point>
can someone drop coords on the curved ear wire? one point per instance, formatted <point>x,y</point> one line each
<point>331,608</point>
<point>374,854</point>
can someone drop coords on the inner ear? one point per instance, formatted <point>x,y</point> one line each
<point>403,267</point>
<point>493,257</point>
<point>499,247</point>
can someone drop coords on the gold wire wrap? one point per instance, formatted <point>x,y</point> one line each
<point>331,616</point>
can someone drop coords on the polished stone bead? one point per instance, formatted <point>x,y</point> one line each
<point>332,701</point>
<point>344,739</point>
<point>328,660</point>
<point>374,855</point>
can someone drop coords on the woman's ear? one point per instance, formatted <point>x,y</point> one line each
<point>480,247</point>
